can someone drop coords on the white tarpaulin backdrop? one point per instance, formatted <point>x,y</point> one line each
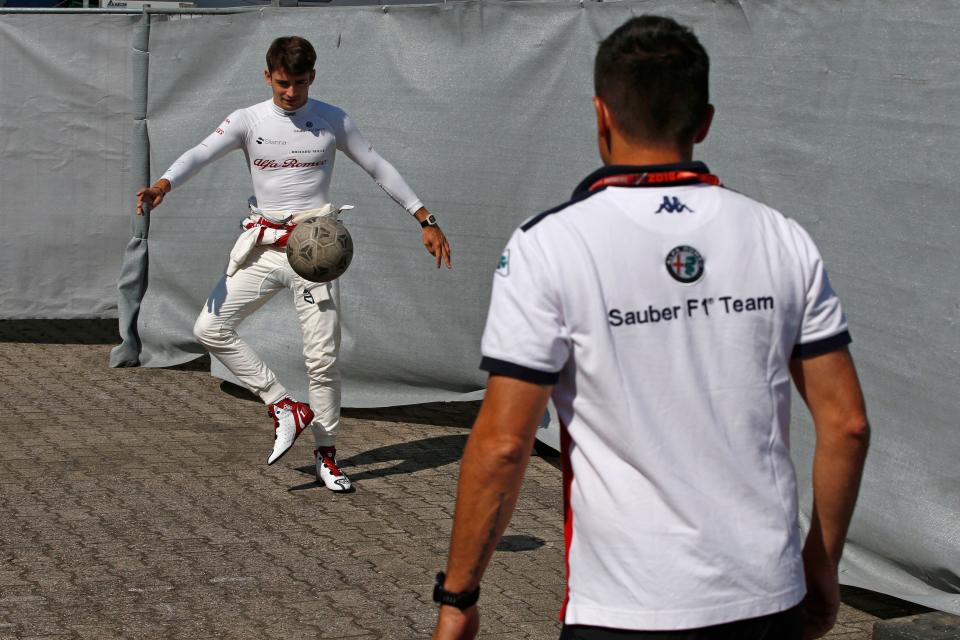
<point>65,155</point>
<point>840,115</point>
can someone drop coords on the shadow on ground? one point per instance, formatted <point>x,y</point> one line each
<point>76,331</point>
<point>519,542</point>
<point>235,390</point>
<point>441,414</point>
<point>438,414</point>
<point>877,604</point>
<point>400,458</point>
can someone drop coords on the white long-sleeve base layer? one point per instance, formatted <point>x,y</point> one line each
<point>290,156</point>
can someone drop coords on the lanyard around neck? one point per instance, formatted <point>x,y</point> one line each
<point>655,178</point>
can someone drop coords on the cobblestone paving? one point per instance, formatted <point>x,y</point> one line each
<point>135,503</point>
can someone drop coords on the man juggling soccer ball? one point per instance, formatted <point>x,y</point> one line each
<point>290,142</point>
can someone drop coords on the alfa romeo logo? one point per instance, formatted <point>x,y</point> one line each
<point>684,264</point>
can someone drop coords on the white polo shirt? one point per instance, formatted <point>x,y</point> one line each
<point>666,314</point>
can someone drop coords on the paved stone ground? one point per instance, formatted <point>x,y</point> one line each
<point>135,503</point>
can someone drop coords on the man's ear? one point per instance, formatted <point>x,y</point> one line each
<point>313,75</point>
<point>266,76</point>
<point>705,124</point>
<point>603,127</point>
<point>603,117</point>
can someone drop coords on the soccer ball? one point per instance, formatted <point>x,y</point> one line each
<point>320,249</point>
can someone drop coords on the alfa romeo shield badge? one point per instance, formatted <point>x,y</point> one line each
<point>684,264</point>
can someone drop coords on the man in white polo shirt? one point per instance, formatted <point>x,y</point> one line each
<point>290,142</point>
<point>667,316</point>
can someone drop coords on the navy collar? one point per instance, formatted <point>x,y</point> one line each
<point>608,171</point>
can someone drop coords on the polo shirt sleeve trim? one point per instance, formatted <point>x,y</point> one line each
<point>820,347</point>
<point>511,370</point>
<point>532,222</point>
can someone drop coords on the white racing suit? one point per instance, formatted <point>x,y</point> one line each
<point>290,155</point>
<point>257,271</point>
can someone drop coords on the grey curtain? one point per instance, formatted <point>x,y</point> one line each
<point>840,115</point>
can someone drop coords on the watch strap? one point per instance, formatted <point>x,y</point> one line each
<point>461,601</point>
<point>429,221</point>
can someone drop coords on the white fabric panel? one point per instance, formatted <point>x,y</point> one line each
<point>401,315</point>
<point>836,116</point>
<point>65,142</point>
<point>840,117</point>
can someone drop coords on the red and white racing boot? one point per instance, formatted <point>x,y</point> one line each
<point>290,418</point>
<point>328,472</point>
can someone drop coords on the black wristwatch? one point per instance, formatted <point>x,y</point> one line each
<point>459,600</point>
<point>429,221</point>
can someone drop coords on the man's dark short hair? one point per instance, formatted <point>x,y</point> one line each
<point>652,73</point>
<point>293,54</point>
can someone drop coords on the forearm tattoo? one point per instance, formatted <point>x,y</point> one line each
<point>491,540</point>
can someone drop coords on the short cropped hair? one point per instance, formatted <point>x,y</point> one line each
<point>652,73</point>
<point>293,54</point>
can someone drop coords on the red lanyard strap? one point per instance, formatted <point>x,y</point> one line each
<point>658,178</point>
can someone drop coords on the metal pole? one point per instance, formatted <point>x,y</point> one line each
<point>150,10</point>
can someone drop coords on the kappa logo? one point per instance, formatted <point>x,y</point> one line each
<point>673,205</point>
<point>308,297</point>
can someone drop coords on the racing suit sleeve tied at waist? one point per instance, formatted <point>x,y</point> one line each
<point>262,228</point>
<point>257,230</point>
